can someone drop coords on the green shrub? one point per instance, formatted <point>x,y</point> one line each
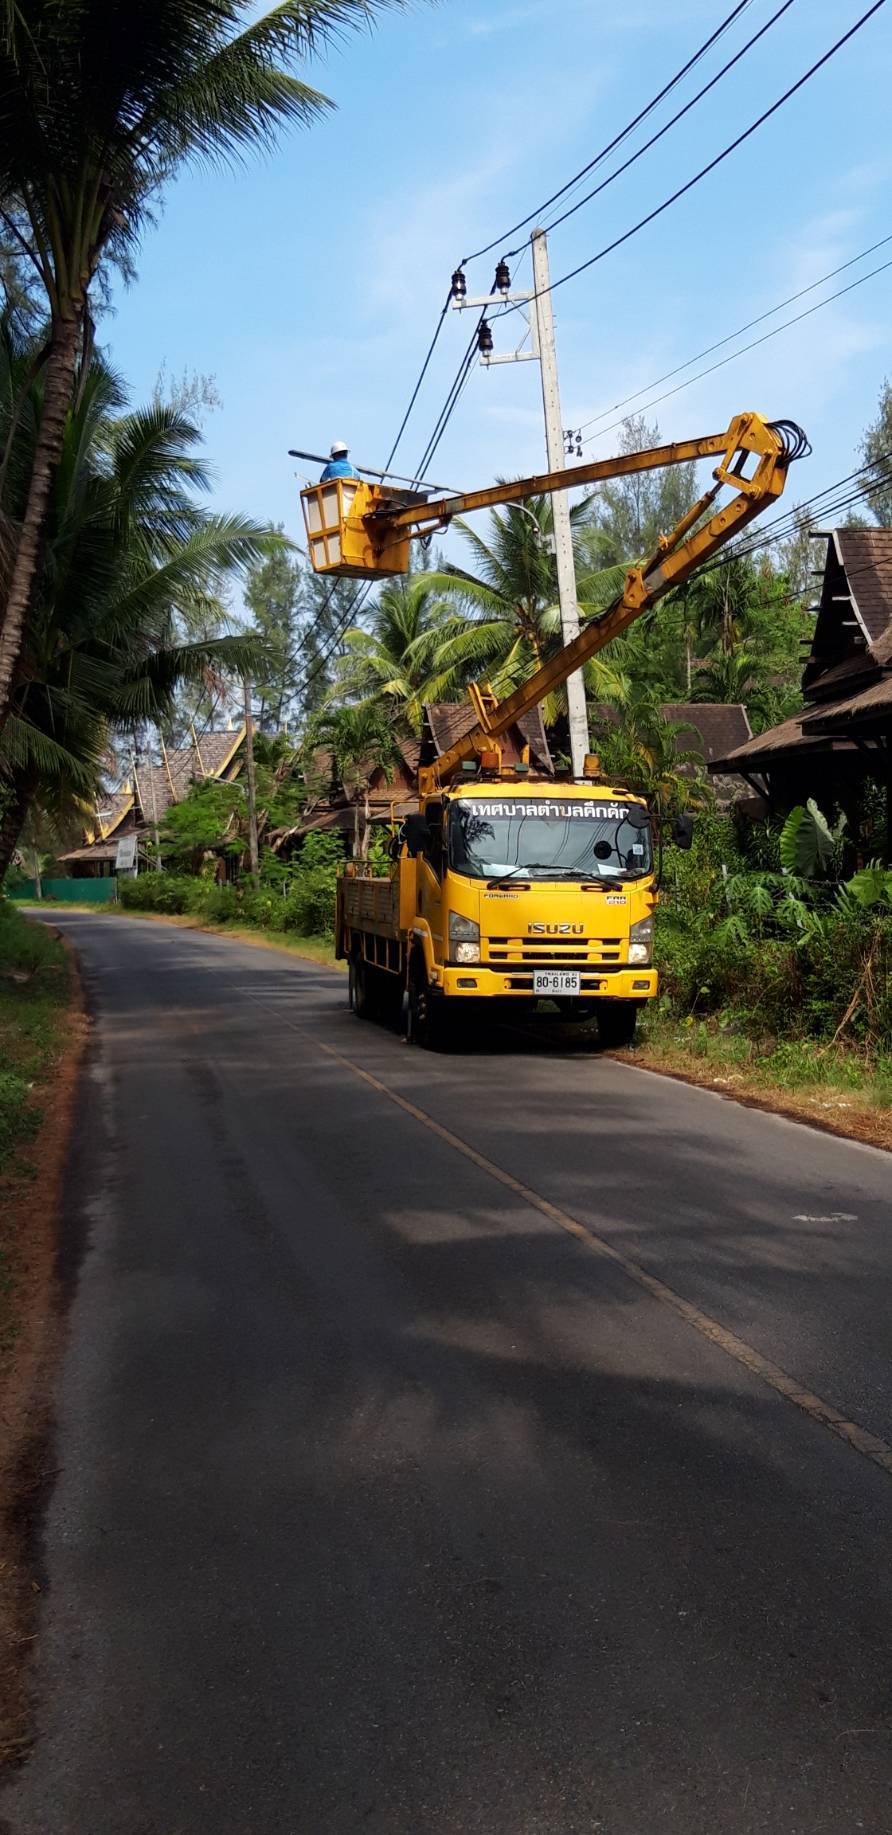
<point>310,905</point>
<point>219,904</point>
<point>168,893</point>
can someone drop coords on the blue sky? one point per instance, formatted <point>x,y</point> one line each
<point>308,284</point>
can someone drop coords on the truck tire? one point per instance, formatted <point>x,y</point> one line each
<point>617,1020</point>
<point>424,1018</point>
<point>358,988</point>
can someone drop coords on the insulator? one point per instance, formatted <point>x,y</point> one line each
<point>459,285</point>
<point>503,278</point>
<point>484,339</point>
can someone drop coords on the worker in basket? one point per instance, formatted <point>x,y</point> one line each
<point>339,465</point>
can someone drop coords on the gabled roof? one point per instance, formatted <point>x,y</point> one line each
<point>866,557</point>
<point>152,791</point>
<point>447,721</point>
<point>847,680</point>
<point>719,725</point>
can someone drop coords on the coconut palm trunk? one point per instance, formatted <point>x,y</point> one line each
<point>20,792</point>
<point>57,394</point>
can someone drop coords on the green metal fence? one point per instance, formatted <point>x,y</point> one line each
<point>85,891</point>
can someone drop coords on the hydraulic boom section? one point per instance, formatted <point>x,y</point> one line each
<point>692,542</point>
<point>361,530</point>
<point>364,530</point>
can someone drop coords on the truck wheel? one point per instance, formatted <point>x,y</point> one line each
<point>424,1021</point>
<point>358,988</point>
<point>617,1020</point>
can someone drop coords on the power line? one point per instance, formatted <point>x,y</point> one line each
<point>322,661</point>
<point>674,119</point>
<point>704,171</point>
<point>823,506</point>
<point>741,7</point>
<point>455,390</point>
<point>742,352</point>
<point>423,372</point>
<point>731,335</point>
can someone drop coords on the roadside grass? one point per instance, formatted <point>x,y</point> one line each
<point>48,905</point>
<point>35,980</point>
<point>42,1034</point>
<point>836,1085</point>
<point>35,990</point>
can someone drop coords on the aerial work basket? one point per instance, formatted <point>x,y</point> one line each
<point>340,539</point>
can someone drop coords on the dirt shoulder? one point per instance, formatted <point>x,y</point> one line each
<point>833,1108</point>
<point>43,1033</point>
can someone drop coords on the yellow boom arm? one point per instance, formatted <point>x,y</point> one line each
<point>774,447</point>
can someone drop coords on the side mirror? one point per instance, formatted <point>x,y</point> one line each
<point>416,834</point>
<point>682,832</point>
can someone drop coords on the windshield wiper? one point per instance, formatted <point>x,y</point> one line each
<point>502,879</point>
<point>547,867</point>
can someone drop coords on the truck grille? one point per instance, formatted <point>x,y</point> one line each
<point>552,952</point>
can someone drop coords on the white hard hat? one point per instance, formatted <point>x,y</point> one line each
<point>338,446</point>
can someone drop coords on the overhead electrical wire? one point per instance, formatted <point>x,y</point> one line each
<point>731,335</point>
<point>617,140</point>
<point>738,141</point>
<point>467,361</point>
<point>825,505</point>
<point>422,373</point>
<point>672,122</point>
<point>742,352</point>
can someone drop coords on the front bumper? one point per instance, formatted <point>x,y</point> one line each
<point>476,982</point>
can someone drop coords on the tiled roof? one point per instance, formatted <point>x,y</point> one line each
<point>150,793</point>
<point>719,725</point>
<point>787,737</point>
<point>447,721</point>
<point>866,555</point>
<point>872,705</point>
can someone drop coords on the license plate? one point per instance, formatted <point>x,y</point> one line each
<point>552,981</point>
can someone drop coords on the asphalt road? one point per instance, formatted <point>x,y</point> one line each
<point>383,1503</point>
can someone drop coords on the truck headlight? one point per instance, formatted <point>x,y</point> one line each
<point>464,938</point>
<point>641,941</point>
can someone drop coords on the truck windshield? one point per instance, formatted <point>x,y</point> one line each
<point>580,839</point>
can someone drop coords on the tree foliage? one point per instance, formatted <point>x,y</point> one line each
<point>99,107</point>
<point>130,563</point>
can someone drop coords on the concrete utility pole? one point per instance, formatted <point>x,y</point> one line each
<point>542,351</point>
<point>560,508</point>
<point>252,785</point>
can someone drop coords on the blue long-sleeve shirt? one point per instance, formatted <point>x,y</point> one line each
<point>338,468</point>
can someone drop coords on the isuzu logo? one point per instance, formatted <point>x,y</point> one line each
<point>555,930</point>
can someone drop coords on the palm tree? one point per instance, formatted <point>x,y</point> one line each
<point>512,620</point>
<point>396,662</point>
<point>361,741</point>
<point>642,752</point>
<point>129,563</point>
<point>728,675</point>
<point>100,107</point>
